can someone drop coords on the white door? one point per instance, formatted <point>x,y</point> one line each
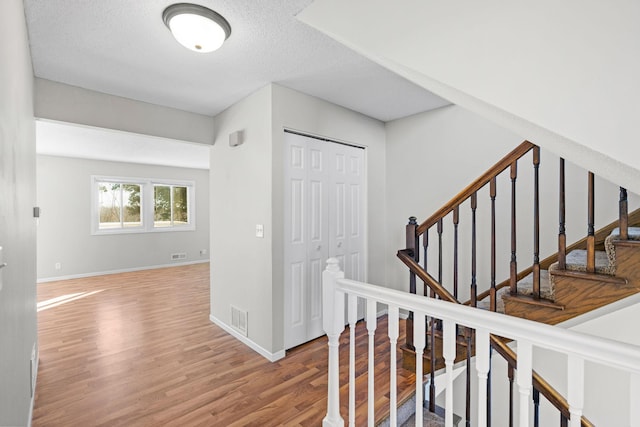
<point>323,217</point>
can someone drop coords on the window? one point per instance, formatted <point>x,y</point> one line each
<point>171,205</point>
<point>119,205</point>
<point>135,205</point>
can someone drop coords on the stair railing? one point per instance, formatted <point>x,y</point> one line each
<point>414,230</point>
<point>497,343</point>
<point>578,348</point>
<point>539,385</point>
<point>434,287</point>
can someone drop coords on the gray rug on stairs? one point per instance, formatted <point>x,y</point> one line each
<point>407,416</point>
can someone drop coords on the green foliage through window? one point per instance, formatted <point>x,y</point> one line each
<point>119,205</point>
<point>171,205</point>
<point>142,205</point>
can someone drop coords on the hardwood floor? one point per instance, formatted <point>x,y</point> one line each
<point>138,349</point>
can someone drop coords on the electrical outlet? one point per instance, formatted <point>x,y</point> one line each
<point>259,230</point>
<point>58,266</point>
<point>203,251</point>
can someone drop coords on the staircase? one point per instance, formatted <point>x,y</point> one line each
<point>593,272</point>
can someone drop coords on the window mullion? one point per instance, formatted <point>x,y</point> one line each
<point>122,206</point>
<point>171,203</point>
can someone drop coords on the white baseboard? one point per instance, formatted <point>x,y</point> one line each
<point>272,357</point>
<point>124,270</point>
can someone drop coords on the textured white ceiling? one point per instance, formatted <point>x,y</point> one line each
<point>122,47</point>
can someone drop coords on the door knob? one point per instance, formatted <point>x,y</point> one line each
<point>319,247</point>
<point>339,244</point>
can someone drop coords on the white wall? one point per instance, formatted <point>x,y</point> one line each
<point>17,226</point>
<point>562,75</point>
<point>65,103</point>
<point>240,195</point>
<point>247,271</point>
<point>432,156</point>
<point>64,231</point>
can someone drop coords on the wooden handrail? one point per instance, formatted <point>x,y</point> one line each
<point>406,257</point>
<point>551,394</point>
<point>476,185</point>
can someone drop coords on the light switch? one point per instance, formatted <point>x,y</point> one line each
<point>259,230</point>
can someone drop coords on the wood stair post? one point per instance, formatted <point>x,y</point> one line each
<point>591,240</point>
<point>624,214</point>
<point>513,282</point>
<point>412,246</point>
<point>562,237</point>
<point>536,223</point>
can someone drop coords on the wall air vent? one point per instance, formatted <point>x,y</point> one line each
<point>175,257</point>
<point>239,320</point>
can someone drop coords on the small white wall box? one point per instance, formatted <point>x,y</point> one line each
<point>236,138</point>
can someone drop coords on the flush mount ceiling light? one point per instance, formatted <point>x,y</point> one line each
<point>196,27</point>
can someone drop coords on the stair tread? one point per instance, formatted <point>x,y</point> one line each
<point>633,234</point>
<point>525,287</point>
<point>577,261</point>
<point>485,304</point>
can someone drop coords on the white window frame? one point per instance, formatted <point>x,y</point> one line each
<point>146,205</point>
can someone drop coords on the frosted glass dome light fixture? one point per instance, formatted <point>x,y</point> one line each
<point>196,27</point>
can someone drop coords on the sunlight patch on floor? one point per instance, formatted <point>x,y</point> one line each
<point>54,302</point>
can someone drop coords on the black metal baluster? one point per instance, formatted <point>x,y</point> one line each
<point>562,237</point>
<point>513,284</point>
<point>591,238</point>
<point>624,215</point>
<point>564,421</point>
<point>412,246</point>
<point>456,220</point>
<point>536,223</point>
<point>440,251</point>
<point>474,287</point>
<point>493,304</point>
<point>425,244</point>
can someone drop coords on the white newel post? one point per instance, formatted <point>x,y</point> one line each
<point>483,349</point>
<point>333,324</point>
<point>523,376</point>
<point>449,353</point>
<point>575,389</point>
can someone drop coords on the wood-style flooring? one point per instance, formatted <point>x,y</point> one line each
<point>138,349</point>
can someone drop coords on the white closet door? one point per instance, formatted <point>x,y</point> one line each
<point>346,209</point>
<point>323,192</point>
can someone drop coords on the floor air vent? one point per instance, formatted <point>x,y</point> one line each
<point>239,320</point>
